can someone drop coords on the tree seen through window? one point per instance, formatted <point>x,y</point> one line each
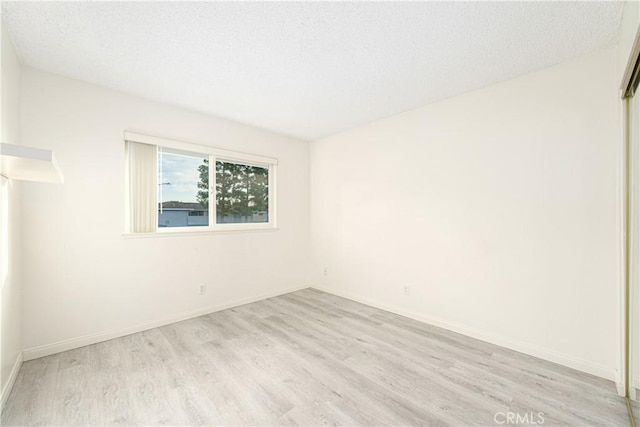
<point>242,192</point>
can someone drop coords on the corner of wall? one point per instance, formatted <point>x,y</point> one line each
<point>10,213</point>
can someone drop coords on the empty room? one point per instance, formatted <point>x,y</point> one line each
<point>320,213</point>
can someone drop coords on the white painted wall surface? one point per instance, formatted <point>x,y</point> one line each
<point>10,280</point>
<point>81,277</point>
<point>500,208</point>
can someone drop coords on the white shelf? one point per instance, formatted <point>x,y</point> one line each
<point>29,164</point>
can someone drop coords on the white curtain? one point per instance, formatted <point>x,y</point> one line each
<point>142,176</point>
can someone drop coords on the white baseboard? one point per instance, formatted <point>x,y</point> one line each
<point>532,350</point>
<point>6,390</point>
<point>522,347</point>
<point>70,344</point>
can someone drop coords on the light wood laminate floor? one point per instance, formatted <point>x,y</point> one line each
<point>305,358</point>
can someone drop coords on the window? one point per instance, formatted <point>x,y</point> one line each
<point>242,193</point>
<point>183,188</point>
<point>171,187</point>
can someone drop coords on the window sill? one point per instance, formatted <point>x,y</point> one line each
<point>195,233</point>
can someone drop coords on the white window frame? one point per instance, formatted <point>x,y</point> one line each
<point>215,154</point>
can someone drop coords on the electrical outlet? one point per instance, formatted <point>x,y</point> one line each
<point>325,271</point>
<point>407,290</point>
<point>202,288</point>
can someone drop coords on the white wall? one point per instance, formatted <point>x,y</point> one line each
<point>500,208</point>
<point>10,281</point>
<point>81,277</point>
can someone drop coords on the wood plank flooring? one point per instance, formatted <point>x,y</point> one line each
<point>305,358</point>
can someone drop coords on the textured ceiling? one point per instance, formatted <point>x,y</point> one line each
<point>301,68</point>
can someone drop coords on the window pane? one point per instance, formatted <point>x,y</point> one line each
<point>183,189</point>
<point>242,193</point>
